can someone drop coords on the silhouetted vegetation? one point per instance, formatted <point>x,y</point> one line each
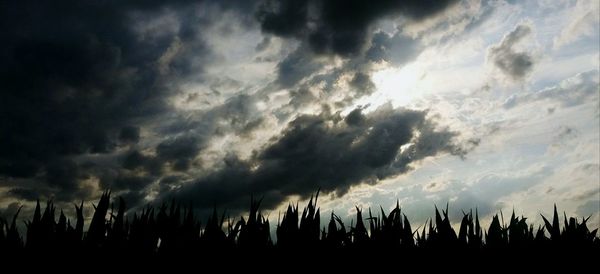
<point>173,229</point>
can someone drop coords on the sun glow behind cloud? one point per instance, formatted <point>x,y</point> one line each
<point>432,73</point>
<point>401,86</point>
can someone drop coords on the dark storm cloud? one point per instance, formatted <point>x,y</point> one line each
<point>179,152</point>
<point>167,183</point>
<point>355,118</point>
<point>296,66</point>
<point>130,182</point>
<point>135,160</point>
<point>238,115</point>
<point>182,139</point>
<point>129,134</point>
<point>133,199</point>
<point>63,174</point>
<point>140,169</point>
<point>83,85</point>
<point>328,29</point>
<point>362,83</point>
<point>324,151</point>
<point>516,65</point>
<point>81,77</point>
<point>337,26</point>
<point>25,194</point>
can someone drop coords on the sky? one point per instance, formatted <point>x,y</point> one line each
<point>491,105</point>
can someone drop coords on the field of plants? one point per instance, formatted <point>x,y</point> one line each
<point>173,229</point>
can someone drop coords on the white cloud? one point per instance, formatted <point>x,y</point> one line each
<point>578,89</point>
<point>585,17</point>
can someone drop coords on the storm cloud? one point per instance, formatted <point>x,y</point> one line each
<point>327,30</point>
<point>83,78</point>
<point>336,26</point>
<point>137,97</point>
<point>325,151</point>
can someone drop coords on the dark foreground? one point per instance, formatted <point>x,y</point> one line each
<point>173,233</point>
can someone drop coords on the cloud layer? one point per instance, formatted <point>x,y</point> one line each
<point>328,152</point>
<point>88,99</point>
<point>337,26</point>
<point>212,101</point>
<point>82,78</point>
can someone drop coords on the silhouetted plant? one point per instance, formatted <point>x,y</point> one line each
<point>175,230</point>
<point>254,233</point>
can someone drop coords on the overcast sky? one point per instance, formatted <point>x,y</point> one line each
<point>486,104</point>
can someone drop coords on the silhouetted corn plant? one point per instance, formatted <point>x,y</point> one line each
<point>335,237</point>
<point>310,223</point>
<point>255,233</point>
<point>573,233</point>
<point>97,231</point>
<point>470,233</point>
<point>10,240</point>
<point>294,232</point>
<point>175,229</point>
<point>392,230</point>
<point>360,237</point>
<point>288,233</point>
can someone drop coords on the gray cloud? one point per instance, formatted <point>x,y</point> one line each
<point>238,115</point>
<point>362,83</point>
<point>25,193</point>
<point>324,151</point>
<point>129,134</point>
<point>132,183</point>
<point>87,82</point>
<point>178,151</point>
<point>516,65</point>
<point>296,66</point>
<point>183,138</point>
<point>134,159</point>
<point>337,27</point>
<point>90,98</point>
<point>301,97</point>
<point>327,29</point>
<point>591,207</point>
<point>396,49</point>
